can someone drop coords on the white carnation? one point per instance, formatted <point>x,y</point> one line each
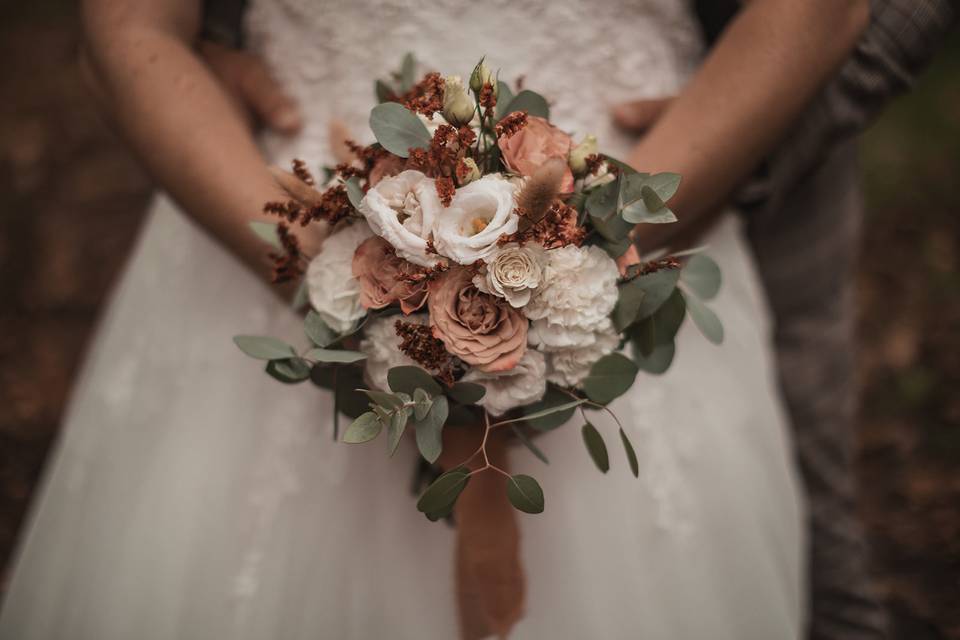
<point>481,212</point>
<point>402,210</point>
<point>568,367</point>
<point>506,390</point>
<point>381,345</point>
<point>513,273</point>
<point>333,291</point>
<point>576,298</point>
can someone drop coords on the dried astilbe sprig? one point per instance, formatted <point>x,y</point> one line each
<point>594,163</point>
<point>287,264</point>
<point>426,96</point>
<point>539,192</point>
<point>557,228</point>
<point>307,204</point>
<point>487,97</point>
<point>511,124</point>
<point>661,264</point>
<point>417,342</point>
<point>440,160</point>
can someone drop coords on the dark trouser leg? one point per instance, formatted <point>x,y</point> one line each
<point>806,253</point>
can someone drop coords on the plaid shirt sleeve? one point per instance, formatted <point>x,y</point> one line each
<point>900,40</point>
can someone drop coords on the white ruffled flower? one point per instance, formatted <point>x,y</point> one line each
<point>333,291</point>
<point>506,390</point>
<point>381,345</point>
<point>578,293</point>
<point>403,210</point>
<point>513,273</point>
<point>598,179</point>
<point>568,367</point>
<point>480,213</point>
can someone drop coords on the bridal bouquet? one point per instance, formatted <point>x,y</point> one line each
<point>479,273</point>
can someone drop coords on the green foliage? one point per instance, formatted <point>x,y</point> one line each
<point>533,103</point>
<point>429,430</point>
<point>467,392</point>
<point>267,231</point>
<point>421,404</point>
<point>317,330</point>
<point>335,355</point>
<point>551,411</point>
<point>408,71</point>
<point>631,454</point>
<point>264,348</point>
<point>660,327</point>
<point>395,428</point>
<point>610,377</point>
<point>408,379</point>
<point>525,494</point>
<point>705,319</point>
<point>398,129</point>
<point>528,443</point>
<point>442,494</point>
<point>354,191</point>
<point>702,276</point>
<point>596,447</point>
<point>289,371</point>
<point>363,429</point>
<point>658,360</point>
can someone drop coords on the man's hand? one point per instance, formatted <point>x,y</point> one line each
<point>260,98</point>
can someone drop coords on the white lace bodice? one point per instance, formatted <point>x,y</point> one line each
<point>582,56</point>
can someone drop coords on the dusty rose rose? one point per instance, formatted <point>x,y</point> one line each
<point>483,330</point>
<point>385,277</point>
<point>525,151</point>
<point>385,167</point>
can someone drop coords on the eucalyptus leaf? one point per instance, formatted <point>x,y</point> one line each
<point>533,103</point>
<point>429,430</point>
<point>553,398</point>
<point>467,392</point>
<point>528,443</point>
<point>444,491</point>
<point>335,355</point>
<point>382,91</point>
<point>395,428</point>
<point>615,248</point>
<point>422,403</point>
<point>630,296</point>
<point>264,347</point>
<point>640,197</point>
<point>610,377</point>
<point>409,378</point>
<point>658,360</point>
<point>354,192</point>
<point>300,299</point>
<point>657,287</point>
<point>289,371</point>
<point>620,164</point>
<point>596,447</point>
<point>317,330</point>
<point>398,129</point>
<point>267,231</point>
<point>504,98</point>
<point>363,429</point>
<point>705,319</point>
<point>665,185</point>
<point>525,494</point>
<point>602,201</point>
<point>560,408</point>
<point>408,70</point>
<point>702,275</point>
<point>631,454</point>
<point>382,398</point>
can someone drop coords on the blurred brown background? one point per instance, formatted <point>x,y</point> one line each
<point>71,200</point>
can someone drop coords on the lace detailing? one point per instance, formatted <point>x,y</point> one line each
<point>582,56</point>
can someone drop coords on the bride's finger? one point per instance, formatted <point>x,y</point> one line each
<point>639,115</point>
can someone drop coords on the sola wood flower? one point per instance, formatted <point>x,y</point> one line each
<point>386,278</point>
<point>482,330</point>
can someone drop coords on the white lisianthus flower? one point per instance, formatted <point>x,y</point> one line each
<point>568,367</point>
<point>381,345</point>
<point>480,213</point>
<point>598,179</point>
<point>522,385</point>
<point>333,291</point>
<point>513,273</point>
<point>403,210</point>
<point>578,293</point>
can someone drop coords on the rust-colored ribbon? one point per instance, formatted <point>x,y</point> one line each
<point>490,580</point>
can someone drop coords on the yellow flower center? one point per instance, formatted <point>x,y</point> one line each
<point>479,224</point>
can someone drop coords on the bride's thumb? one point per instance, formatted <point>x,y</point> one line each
<point>637,116</point>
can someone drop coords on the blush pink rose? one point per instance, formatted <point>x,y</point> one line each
<point>386,278</point>
<point>527,150</point>
<point>483,330</point>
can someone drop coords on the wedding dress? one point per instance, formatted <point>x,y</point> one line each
<point>192,497</point>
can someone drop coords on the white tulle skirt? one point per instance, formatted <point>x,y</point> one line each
<point>192,497</point>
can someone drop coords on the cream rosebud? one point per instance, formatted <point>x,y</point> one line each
<point>481,75</point>
<point>458,108</point>
<point>578,155</point>
<point>468,172</point>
